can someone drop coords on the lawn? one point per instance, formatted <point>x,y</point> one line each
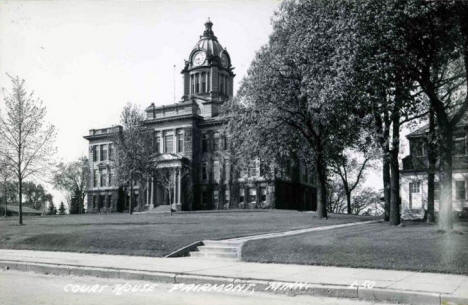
<point>148,234</point>
<point>416,246</point>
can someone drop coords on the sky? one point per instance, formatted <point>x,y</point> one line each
<point>87,59</point>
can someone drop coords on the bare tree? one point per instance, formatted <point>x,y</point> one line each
<point>135,162</point>
<point>165,177</point>
<point>5,174</point>
<point>27,140</point>
<point>351,172</point>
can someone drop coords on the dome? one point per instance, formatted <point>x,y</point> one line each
<point>208,42</point>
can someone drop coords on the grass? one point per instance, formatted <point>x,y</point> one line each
<point>415,246</point>
<point>148,234</point>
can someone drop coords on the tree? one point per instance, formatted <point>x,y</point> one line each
<point>61,208</point>
<point>27,140</point>
<point>384,84</point>
<point>35,196</point>
<point>294,99</point>
<point>51,209</point>
<point>73,178</point>
<point>5,174</point>
<point>436,36</point>
<point>135,157</point>
<point>351,172</point>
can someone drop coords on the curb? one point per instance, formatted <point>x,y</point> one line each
<point>267,286</point>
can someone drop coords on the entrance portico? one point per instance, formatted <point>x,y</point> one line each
<point>167,185</point>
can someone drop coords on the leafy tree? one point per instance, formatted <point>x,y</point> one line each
<point>436,36</point>
<point>61,208</point>
<point>135,162</point>
<point>386,86</point>
<point>51,209</point>
<point>27,141</point>
<point>36,196</point>
<point>73,178</point>
<point>294,98</point>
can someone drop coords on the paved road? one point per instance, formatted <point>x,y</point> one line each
<point>34,289</point>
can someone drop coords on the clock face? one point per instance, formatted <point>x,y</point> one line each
<point>225,61</point>
<point>199,58</point>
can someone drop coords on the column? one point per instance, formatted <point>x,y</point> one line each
<point>147,191</point>
<point>179,186</point>
<point>152,193</point>
<point>175,187</point>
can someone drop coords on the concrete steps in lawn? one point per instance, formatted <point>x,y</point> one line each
<point>214,249</point>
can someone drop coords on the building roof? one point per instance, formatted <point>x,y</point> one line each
<point>209,42</point>
<point>425,128</point>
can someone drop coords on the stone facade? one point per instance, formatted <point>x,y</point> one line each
<point>191,151</point>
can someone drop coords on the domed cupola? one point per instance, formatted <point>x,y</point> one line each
<point>208,70</point>
<point>208,50</point>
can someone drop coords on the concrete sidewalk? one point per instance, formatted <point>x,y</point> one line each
<point>368,284</point>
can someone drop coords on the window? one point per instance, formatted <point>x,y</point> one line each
<point>216,143</point>
<point>221,83</point>
<point>94,201</point>
<point>111,178</point>
<point>109,200</point>
<point>241,195</point>
<point>460,190</point>
<point>204,172</point>
<point>252,195</point>
<point>95,153</point>
<point>216,198</point>
<point>95,178</point>
<point>459,148</point>
<point>225,143</point>
<point>208,83</point>
<point>103,178</point>
<point>217,172</point>
<point>263,194</point>
<point>168,144</point>
<point>192,82</point>
<point>205,142</point>
<point>414,187</point>
<point>158,144</point>
<point>252,169</point>
<point>180,142</point>
<point>197,83</point>
<point>103,152</point>
<point>436,191</point>
<point>203,82</point>
<point>111,151</point>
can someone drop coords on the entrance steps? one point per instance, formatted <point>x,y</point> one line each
<point>214,249</point>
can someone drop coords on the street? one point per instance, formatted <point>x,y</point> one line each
<point>31,288</point>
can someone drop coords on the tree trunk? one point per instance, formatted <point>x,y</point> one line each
<point>322,190</point>
<point>5,197</point>
<point>20,199</point>
<point>348,201</point>
<point>395,171</point>
<point>431,156</point>
<point>445,178</point>
<point>386,184</point>
<point>130,204</point>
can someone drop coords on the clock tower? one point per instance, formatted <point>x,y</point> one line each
<point>208,73</point>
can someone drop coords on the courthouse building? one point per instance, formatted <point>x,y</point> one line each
<point>191,145</point>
